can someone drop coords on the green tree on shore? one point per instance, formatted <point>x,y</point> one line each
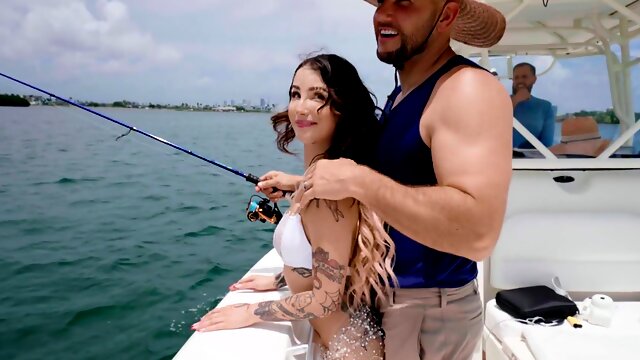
<point>13,100</point>
<point>603,117</point>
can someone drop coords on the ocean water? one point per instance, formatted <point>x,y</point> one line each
<point>112,249</point>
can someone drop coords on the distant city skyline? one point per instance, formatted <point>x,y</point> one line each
<point>211,51</point>
<point>40,100</point>
<point>263,103</point>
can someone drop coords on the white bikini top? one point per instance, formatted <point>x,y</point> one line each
<point>291,242</point>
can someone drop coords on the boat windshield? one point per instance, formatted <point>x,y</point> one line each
<point>557,31</point>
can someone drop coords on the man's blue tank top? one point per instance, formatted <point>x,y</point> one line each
<point>403,156</point>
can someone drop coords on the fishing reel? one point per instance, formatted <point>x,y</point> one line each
<point>261,210</point>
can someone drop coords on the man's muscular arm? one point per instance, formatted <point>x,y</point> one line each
<point>469,133</point>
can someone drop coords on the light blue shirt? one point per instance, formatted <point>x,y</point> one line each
<point>538,117</point>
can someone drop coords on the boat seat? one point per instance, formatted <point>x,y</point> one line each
<point>619,341</point>
<point>585,231</point>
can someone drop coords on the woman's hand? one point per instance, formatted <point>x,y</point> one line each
<point>229,317</point>
<point>274,182</point>
<point>259,283</point>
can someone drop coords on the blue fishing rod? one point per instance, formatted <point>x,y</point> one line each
<point>256,211</point>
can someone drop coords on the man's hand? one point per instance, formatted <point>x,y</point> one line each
<point>272,183</point>
<point>328,180</point>
<point>522,94</point>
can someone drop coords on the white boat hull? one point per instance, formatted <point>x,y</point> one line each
<point>265,341</point>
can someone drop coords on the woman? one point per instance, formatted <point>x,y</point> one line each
<point>336,253</point>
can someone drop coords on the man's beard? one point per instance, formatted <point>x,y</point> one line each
<point>514,89</point>
<point>409,47</point>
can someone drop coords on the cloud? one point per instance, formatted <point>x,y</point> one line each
<point>174,7</point>
<point>203,81</point>
<point>253,49</point>
<point>312,12</point>
<point>211,50</point>
<point>255,58</point>
<point>166,50</point>
<point>76,40</point>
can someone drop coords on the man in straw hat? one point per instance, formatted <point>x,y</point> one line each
<point>442,175</point>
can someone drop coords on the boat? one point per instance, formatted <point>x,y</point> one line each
<point>269,341</point>
<point>573,219</point>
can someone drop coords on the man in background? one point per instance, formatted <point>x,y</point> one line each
<point>536,114</point>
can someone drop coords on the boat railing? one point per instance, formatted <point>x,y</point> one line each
<point>537,144</point>
<point>621,140</point>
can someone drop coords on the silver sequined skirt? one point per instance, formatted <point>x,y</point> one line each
<point>361,338</point>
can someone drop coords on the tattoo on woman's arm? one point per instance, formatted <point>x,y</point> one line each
<point>332,205</point>
<point>291,308</point>
<point>280,281</point>
<point>304,272</point>
<point>308,305</point>
<point>329,268</point>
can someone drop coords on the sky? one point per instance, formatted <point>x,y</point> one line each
<point>209,51</point>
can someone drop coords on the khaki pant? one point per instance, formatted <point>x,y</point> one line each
<point>433,324</point>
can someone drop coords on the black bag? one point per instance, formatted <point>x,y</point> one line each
<point>535,301</point>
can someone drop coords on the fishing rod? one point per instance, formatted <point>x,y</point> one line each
<point>260,210</point>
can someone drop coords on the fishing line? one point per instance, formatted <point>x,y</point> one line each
<point>123,135</point>
<point>79,119</point>
<point>272,213</point>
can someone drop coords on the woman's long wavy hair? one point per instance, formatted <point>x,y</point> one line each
<point>355,136</point>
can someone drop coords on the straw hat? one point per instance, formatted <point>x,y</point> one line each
<point>580,136</point>
<point>478,24</point>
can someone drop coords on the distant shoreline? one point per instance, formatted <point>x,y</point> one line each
<point>163,108</point>
<point>27,100</point>
<point>146,108</point>
<point>601,117</point>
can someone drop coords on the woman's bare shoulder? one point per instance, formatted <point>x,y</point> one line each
<point>335,210</point>
<point>321,216</point>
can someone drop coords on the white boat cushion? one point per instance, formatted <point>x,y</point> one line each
<point>564,343</point>
<point>620,341</point>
